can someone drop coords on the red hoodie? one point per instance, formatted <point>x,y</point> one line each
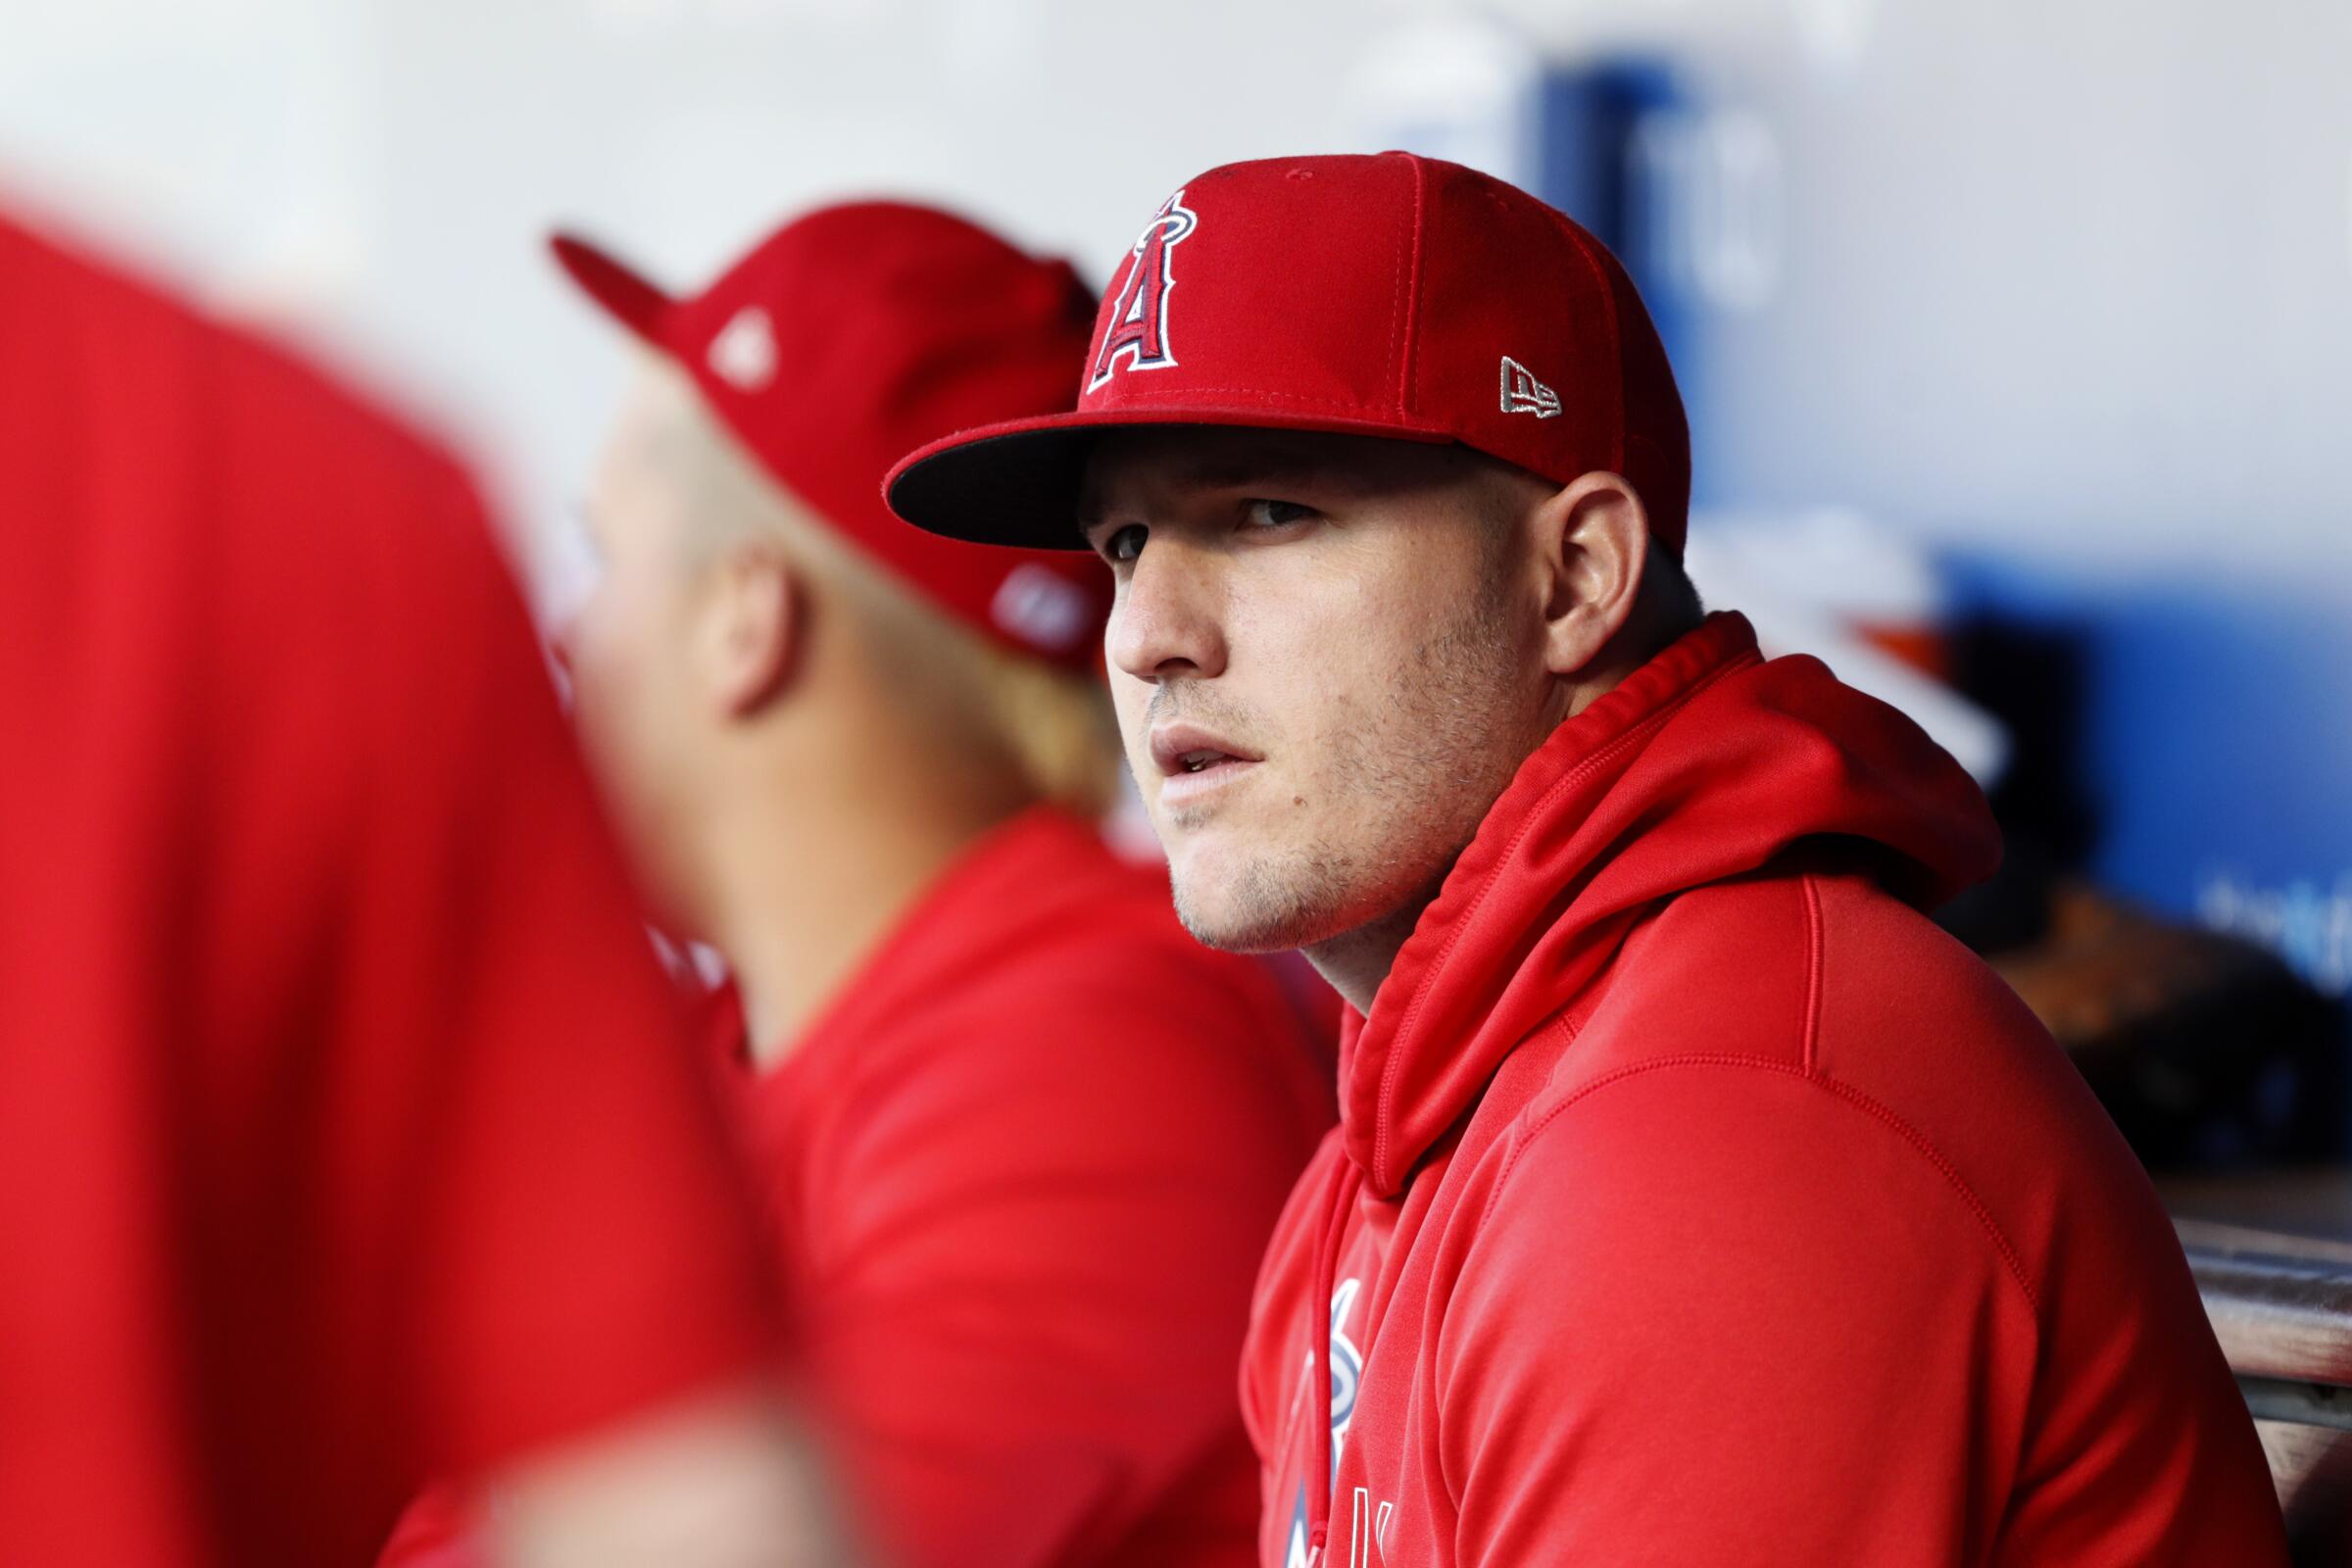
<point>1696,1200</point>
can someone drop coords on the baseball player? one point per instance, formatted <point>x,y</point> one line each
<point>1695,1199</point>
<point>348,1134</point>
<point>1025,1139</point>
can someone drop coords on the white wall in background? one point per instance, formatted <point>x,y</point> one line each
<point>384,171</point>
<point>2073,275</point>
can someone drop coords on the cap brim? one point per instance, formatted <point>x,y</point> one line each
<point>624,295</point>
<point>1017,483</point>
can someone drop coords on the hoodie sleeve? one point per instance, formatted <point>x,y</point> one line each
<point>1718,1313</point>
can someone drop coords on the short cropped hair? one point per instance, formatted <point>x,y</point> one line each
<point>1056,726</point>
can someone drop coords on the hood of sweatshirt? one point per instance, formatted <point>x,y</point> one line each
<point>1705,764</point>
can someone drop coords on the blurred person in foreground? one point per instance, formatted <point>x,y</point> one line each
<point>349,1135</point>
<point>1695,1199</point>
<point>1025,1139</point>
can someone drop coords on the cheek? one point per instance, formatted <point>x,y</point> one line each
<point>1345,724</point>
<point>596,647</point>
<point>1321,665</point>
<point>1130,700</point>
<point>1392,694</point>
<point>620,667</point>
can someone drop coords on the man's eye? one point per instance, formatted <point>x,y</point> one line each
<point>1125,544</point>
<point>1277,514</point>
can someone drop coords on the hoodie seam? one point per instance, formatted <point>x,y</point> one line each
<point>1529,820</point>
<point>1919,1142</point>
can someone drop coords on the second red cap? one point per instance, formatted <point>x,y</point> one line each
<point>859,332</point>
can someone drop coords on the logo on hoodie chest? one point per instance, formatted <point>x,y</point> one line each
<point>1346,1368</point>
<point>1346,1379</point>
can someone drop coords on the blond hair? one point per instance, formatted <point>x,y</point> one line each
<point>1055,727</point>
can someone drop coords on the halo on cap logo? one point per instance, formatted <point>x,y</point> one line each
<point>1139,313</point>
<point>744,354</point>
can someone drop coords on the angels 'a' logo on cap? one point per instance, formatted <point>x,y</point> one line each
<point>1522,393</point>
<point>1138,312</point>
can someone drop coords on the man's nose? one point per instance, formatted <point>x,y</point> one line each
<point>1169,622</point>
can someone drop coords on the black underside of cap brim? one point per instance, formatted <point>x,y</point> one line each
<point>1019,488</point>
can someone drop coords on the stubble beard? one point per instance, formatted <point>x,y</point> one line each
<point>1415,781</point>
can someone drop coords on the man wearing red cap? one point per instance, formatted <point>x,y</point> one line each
<point>1026,1140</point>
<point>348,1132</point>
<point>1694,1199</point>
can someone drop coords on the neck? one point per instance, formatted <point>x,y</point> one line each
<point>822,861</point>
<point>1357,962</point>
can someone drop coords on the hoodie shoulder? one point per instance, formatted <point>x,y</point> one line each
<point>1819,978</point>
<point>1808,1155</point>
<point>1845,1021</point>
<point>1756,1292</point>
<point>1728,969</point>
<point>1804,964</point>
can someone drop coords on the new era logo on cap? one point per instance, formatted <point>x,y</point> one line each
<point>1522,393</point>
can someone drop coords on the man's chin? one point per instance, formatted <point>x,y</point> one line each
<point>1231,936</point>
<point>1239,904</point>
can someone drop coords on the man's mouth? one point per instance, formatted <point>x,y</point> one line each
<point>1181,748</point>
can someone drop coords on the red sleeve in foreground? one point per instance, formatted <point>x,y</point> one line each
<point>583,1237</point>
<point>350,1129</point>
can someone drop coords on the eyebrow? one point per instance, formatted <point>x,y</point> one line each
<point>1245,471</point>
<point>1241,469</point>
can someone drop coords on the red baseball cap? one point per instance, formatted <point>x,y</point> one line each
<point>858,331</point>
<point>1385,295</point>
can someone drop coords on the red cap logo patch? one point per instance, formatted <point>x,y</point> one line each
<point>1139,313</point>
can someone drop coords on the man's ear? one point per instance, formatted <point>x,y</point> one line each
<point>1592,538</point>
<point>751,628</point>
